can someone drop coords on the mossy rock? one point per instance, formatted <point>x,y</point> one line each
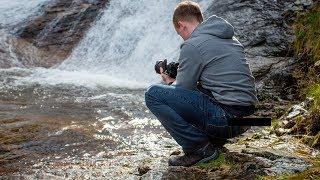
<point>311,173</point>
<point>233,165</point>
<point>220,161</point>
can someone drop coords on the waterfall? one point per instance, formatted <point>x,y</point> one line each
<point>121,47</point>
<point>126,41</point>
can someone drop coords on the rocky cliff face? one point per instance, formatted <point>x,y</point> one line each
<point>50,37</point>
<point>264,28</point>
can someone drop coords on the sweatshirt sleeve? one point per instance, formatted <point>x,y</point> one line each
<point>190,67</point>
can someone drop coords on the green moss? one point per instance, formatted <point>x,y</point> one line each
<point>314,92</point>
<point>275,123</point>
<point>217,163</point>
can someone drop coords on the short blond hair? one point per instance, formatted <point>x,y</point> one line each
<point>187,11</point>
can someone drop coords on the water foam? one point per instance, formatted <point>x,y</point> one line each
<point>79,78</point>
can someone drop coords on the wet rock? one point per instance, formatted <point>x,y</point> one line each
<point>287,124</point>
<point>185,173</point>
<point>278,162</point>
<point>282,131</point>
<point>259,153</point>
<point>262,26</point>
<point>283,82</point>
<point>249,166</point>
<point>143,169</point>
<point>299,109</point>
<point>175,152</point>
<point>296,110</point>
<point>50,37</point>
<point>287,165</point>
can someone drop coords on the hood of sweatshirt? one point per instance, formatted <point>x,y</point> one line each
<point>215,26</point>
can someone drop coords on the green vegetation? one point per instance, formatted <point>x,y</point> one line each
<point>307,47</point>
<point>221,162</point>
<point>314,117</point>
<point>314,92</point>
<point>307,30</point>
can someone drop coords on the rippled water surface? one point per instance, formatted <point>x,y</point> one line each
<point>68,130</point>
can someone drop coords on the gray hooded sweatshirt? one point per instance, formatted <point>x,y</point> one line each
<point>213,57</point>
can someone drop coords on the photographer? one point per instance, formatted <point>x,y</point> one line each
<point>213,83</point>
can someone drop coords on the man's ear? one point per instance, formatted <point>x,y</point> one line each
<point>181,24</point>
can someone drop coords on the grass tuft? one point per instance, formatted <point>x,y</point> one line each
<point>314,92</point>
<point>307,31</point>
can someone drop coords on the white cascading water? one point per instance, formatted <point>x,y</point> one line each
<point>13,12</point>
<point>121,48</point>
<point>127,40</point>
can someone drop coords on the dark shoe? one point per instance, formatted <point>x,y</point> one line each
<point>218,142</point>
<point>205,154</point>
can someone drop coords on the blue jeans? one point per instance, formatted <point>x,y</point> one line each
<point>192,118</point>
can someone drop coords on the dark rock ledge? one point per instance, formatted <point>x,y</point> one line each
<point>50,37</point>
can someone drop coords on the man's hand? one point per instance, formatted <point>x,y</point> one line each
<point>165,78</point>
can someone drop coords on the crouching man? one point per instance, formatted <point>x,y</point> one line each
<point>213,83</point>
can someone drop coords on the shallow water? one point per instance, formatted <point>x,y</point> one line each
<point>73,131</point>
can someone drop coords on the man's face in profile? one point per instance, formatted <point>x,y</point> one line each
<point>180,29</point>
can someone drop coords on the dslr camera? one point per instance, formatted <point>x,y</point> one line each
<point>168,69</point>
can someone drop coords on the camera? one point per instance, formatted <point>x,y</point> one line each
<point>168,69</point>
